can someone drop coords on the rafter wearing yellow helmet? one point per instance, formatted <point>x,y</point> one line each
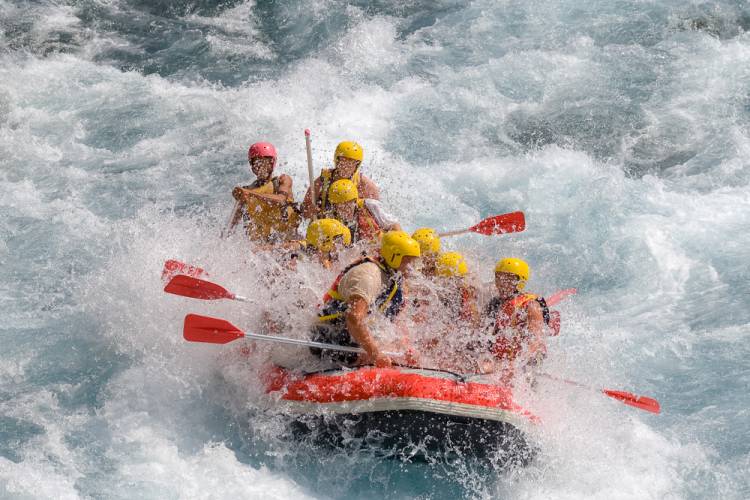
<point>517,318</point>
<point>323,233</point>
<point>429,242</point>
<point>347,159</point>
<point>325,238</point>
<point>448,302</point>
<point>371,285</point>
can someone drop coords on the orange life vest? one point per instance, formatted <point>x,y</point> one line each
<point>511,325</point>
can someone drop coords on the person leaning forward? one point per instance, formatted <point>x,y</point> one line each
<point>368,286</point>
<point>346,162</point>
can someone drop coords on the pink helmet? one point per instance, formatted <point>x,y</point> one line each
<point>260,150</point>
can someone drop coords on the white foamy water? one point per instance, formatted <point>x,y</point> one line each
<point>620,131</point>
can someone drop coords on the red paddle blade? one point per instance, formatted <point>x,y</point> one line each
<point>195,288</point>
<point>173,267</point>
<point>642,402</point>
<point>212,330</point>
<point>560,296</point>
<point>507,223</point>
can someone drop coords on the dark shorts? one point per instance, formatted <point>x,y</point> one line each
<point>334,334</point>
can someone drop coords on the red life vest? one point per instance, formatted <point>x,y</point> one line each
<point>468,304</point>
<point>365,227</point>
<point>511,326</point>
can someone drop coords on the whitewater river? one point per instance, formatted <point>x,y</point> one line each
<point>620,128</point>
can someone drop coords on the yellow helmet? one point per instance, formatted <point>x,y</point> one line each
<point>341,191</point>
<point>429,241</point>
<point>514,266</point>
<point>348,149</point>
<point>451,264</point>
<point>396,245</point>
<point>321,234</point>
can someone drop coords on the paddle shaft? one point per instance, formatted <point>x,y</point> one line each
<point>453,233</point>
<point>641,402</point>
<point>310,174</point>
<point>310,343</point>
<point>229,228</point>
<point>570,382</point>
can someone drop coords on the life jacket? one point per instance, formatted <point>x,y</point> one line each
<point>267,222</point>
<point>365,226</point>
<point>390,301</point>
<point>468,311</point>
<point>326,176</point>
<point>510,323</point>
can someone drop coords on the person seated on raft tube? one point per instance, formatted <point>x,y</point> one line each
<point>324,239</point>
<point>457,295</point>
<point>346,162</point>
<point>429,246</point>
<point>516,319</point>
<point>453,314</point>
<point>266,206</point>
<point>366,218</point>
<point>368,286</point>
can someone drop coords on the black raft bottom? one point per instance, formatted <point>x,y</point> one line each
<point>418,434</point>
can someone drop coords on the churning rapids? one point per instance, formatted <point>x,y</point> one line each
<point>621,129</point>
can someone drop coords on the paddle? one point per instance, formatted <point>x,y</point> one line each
<point>640,402</point>
<point>173,267</point>
<point>310,174</point>
<point>497,224</point>
<point>558,297</point>
<point>218,331</point>
<point>196,288</point>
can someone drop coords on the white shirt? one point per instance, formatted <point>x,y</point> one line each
<point>383,218</point>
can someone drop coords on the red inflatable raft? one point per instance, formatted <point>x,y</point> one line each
<point>405,410</point>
